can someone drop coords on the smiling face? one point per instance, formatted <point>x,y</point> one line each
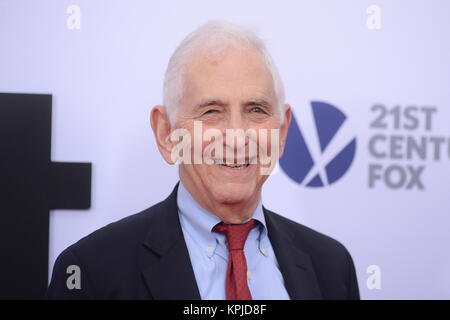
<point>234,92</point>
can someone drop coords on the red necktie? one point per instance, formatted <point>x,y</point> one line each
<point>236,281</point>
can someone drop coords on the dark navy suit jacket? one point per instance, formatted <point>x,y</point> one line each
<point>144,256</point>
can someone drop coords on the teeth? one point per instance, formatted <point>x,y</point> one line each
<point>234,166</point>
<point>231,165</point>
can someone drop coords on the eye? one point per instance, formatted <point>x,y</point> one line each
<point>256,110</point>
<point>210,111</point>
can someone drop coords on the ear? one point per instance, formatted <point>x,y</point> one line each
<point>161,127</point>
<point>284,127</point>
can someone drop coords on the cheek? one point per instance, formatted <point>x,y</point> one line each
<point>212,142</point>
<point>269,139</point>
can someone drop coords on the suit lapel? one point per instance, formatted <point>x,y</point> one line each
<point>164,258</point>
<point>295,265</point>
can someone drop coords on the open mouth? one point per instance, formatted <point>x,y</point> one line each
<point>237,166</point>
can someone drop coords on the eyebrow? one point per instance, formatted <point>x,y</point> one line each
<point>253,101</point>
<point>258,101</point>
<point>209,102</point>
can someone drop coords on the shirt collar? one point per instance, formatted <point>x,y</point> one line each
<point>202,221</point>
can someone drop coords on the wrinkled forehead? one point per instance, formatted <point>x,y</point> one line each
<point>214,55</point>
<point>229,68</point>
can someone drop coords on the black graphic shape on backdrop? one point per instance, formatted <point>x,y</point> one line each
<point>30,186</point>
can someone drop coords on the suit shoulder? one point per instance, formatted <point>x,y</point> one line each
<point>106,258</point>
<point>122,237</point>
<point>332,263</point>
<point>309,239</point>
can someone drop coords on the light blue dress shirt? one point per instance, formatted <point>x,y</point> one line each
<point>208,252</point>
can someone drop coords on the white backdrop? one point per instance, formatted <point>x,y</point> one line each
<point>106,75</point>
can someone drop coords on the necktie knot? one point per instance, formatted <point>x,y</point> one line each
<point>236,233</point>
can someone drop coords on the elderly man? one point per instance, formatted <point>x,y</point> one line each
<point>212,238</point>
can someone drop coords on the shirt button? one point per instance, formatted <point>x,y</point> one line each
<point>209,249</point>
<point>249,275</point>
<point>264,250</point>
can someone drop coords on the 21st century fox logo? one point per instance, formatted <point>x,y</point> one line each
<point>400,143</point>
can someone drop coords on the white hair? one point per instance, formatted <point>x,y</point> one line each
<point>214,38</point>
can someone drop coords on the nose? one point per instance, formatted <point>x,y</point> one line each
<point>235,138</point>
<point>236,119</point>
